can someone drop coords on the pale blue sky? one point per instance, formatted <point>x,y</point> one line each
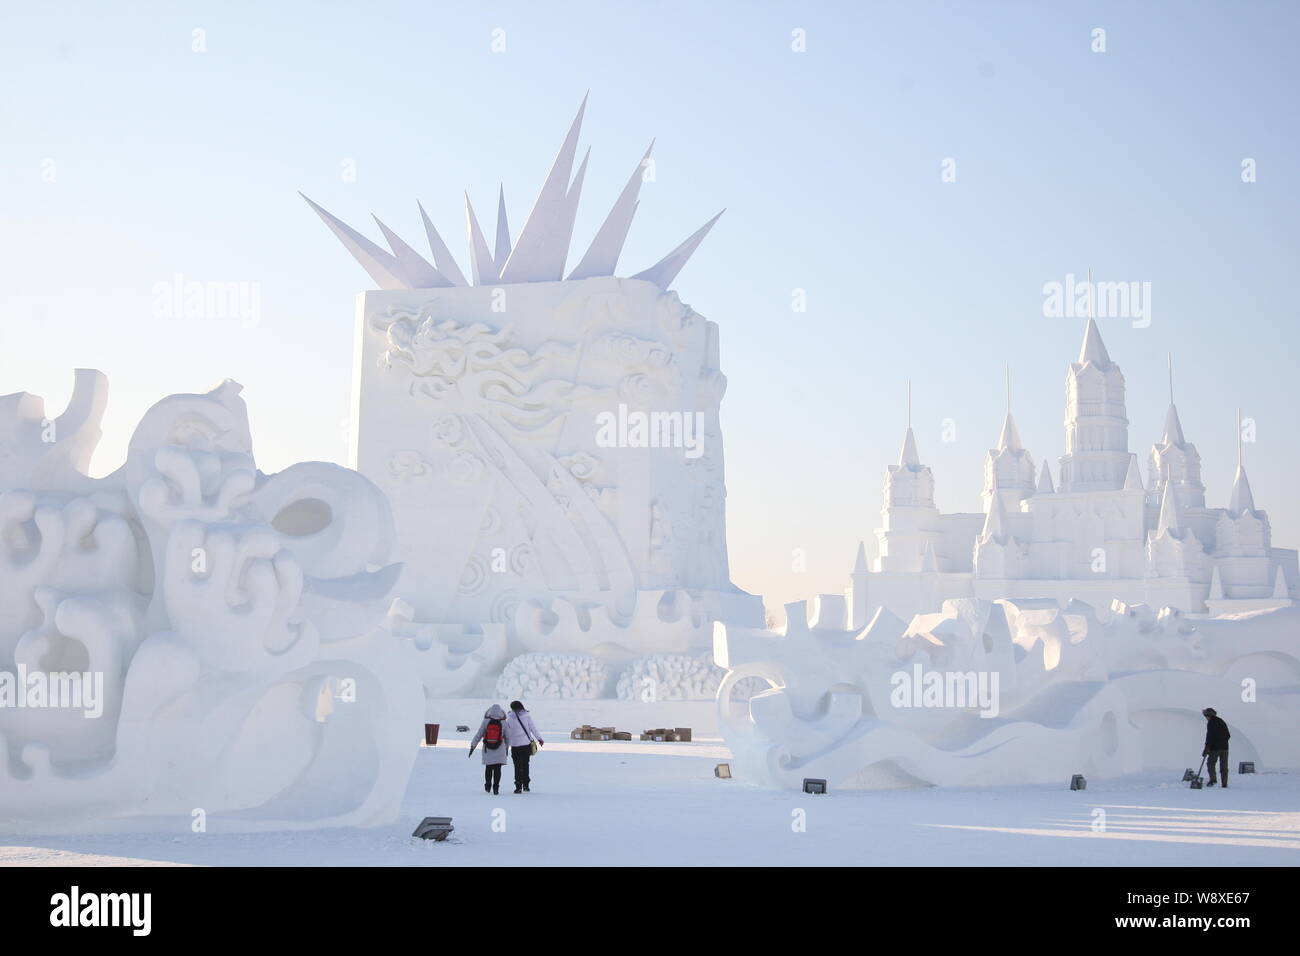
<point>169,161</point>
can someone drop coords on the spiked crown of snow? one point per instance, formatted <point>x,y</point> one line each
<point>539,253</point>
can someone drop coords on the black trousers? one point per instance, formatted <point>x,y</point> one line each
<point>1222,757</point>
<point>492,775</point>
<point>521,756</point>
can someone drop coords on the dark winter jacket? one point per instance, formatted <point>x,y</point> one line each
<point>1216,734</point>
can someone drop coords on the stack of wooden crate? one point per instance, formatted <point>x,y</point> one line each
<point>668,735</point>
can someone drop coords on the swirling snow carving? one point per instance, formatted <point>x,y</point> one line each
<point>1003,692</point>
<point>189,638</point>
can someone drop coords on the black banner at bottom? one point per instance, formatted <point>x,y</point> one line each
<point>238,905</point>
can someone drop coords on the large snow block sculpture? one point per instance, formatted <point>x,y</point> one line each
<point>500,422</point>
<point>550,444</point>
<point>213,634</point>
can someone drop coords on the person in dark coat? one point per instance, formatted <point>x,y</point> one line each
<point>1216,744</point>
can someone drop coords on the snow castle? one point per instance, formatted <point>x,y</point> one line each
<point>1100,536</point>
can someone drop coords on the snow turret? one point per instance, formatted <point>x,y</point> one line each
<point>1093,349</point>
<point>1096,423</point>
<point>1009,470</point>
<point>997,554</point>
<point>1045,486</point>
<point>1173,551</point>
<point>1174,459</point>
<point>909,517</point>
<point>1242,499</point>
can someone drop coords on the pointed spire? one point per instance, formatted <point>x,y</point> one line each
<point>565,229</point>
<point>442,257</point>
<point>1216,585</point>
<point>481,265</point>
<point>1280,590</point>
<point>908,455</point>
<point>1133,479</point>
<point>538,255</point>
<point>1045,486</point>
<point>602,255</point>
<point>860,562</point>
<point>1170,517</point>
<point>382,266</point>
<point>502,251</point>
<point>1242,499</point>
<point>665,270</point>
<point>413,265</point>
<point>1173,428</point>
<point>1093,349</point>
<point>1009,440</point>
<point>995,520</point>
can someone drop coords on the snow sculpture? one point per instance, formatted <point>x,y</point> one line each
<point>1099,535</point>
<point>1004,692</point>
<point>678,677</point>
<point>189,638</point>
<point>554,677</point>
<point>550,445</point>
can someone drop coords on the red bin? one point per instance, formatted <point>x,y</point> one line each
<point>431,735</point>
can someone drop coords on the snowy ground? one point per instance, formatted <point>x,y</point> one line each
<point>645,804</point>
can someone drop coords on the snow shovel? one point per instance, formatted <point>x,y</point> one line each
<point>1197,783</point>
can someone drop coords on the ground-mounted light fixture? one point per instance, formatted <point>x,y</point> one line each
<point>434,828</point>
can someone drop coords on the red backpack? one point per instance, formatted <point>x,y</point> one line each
<point>492,736</point>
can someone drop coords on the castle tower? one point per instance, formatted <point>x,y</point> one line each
<point>909,518</point>
<point>997,553</point>
<point>1096,424</point>
<point>1008,469</point>
<point>1242,531</point>
<point>1174,553</point>
<point>1175,460</point>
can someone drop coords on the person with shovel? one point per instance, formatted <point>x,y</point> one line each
<point>1216,744</point>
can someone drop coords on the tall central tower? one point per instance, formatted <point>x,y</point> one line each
<point>1096,423</point>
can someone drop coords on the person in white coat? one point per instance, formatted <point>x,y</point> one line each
<point>521,734</point>
<point>492,733</point>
